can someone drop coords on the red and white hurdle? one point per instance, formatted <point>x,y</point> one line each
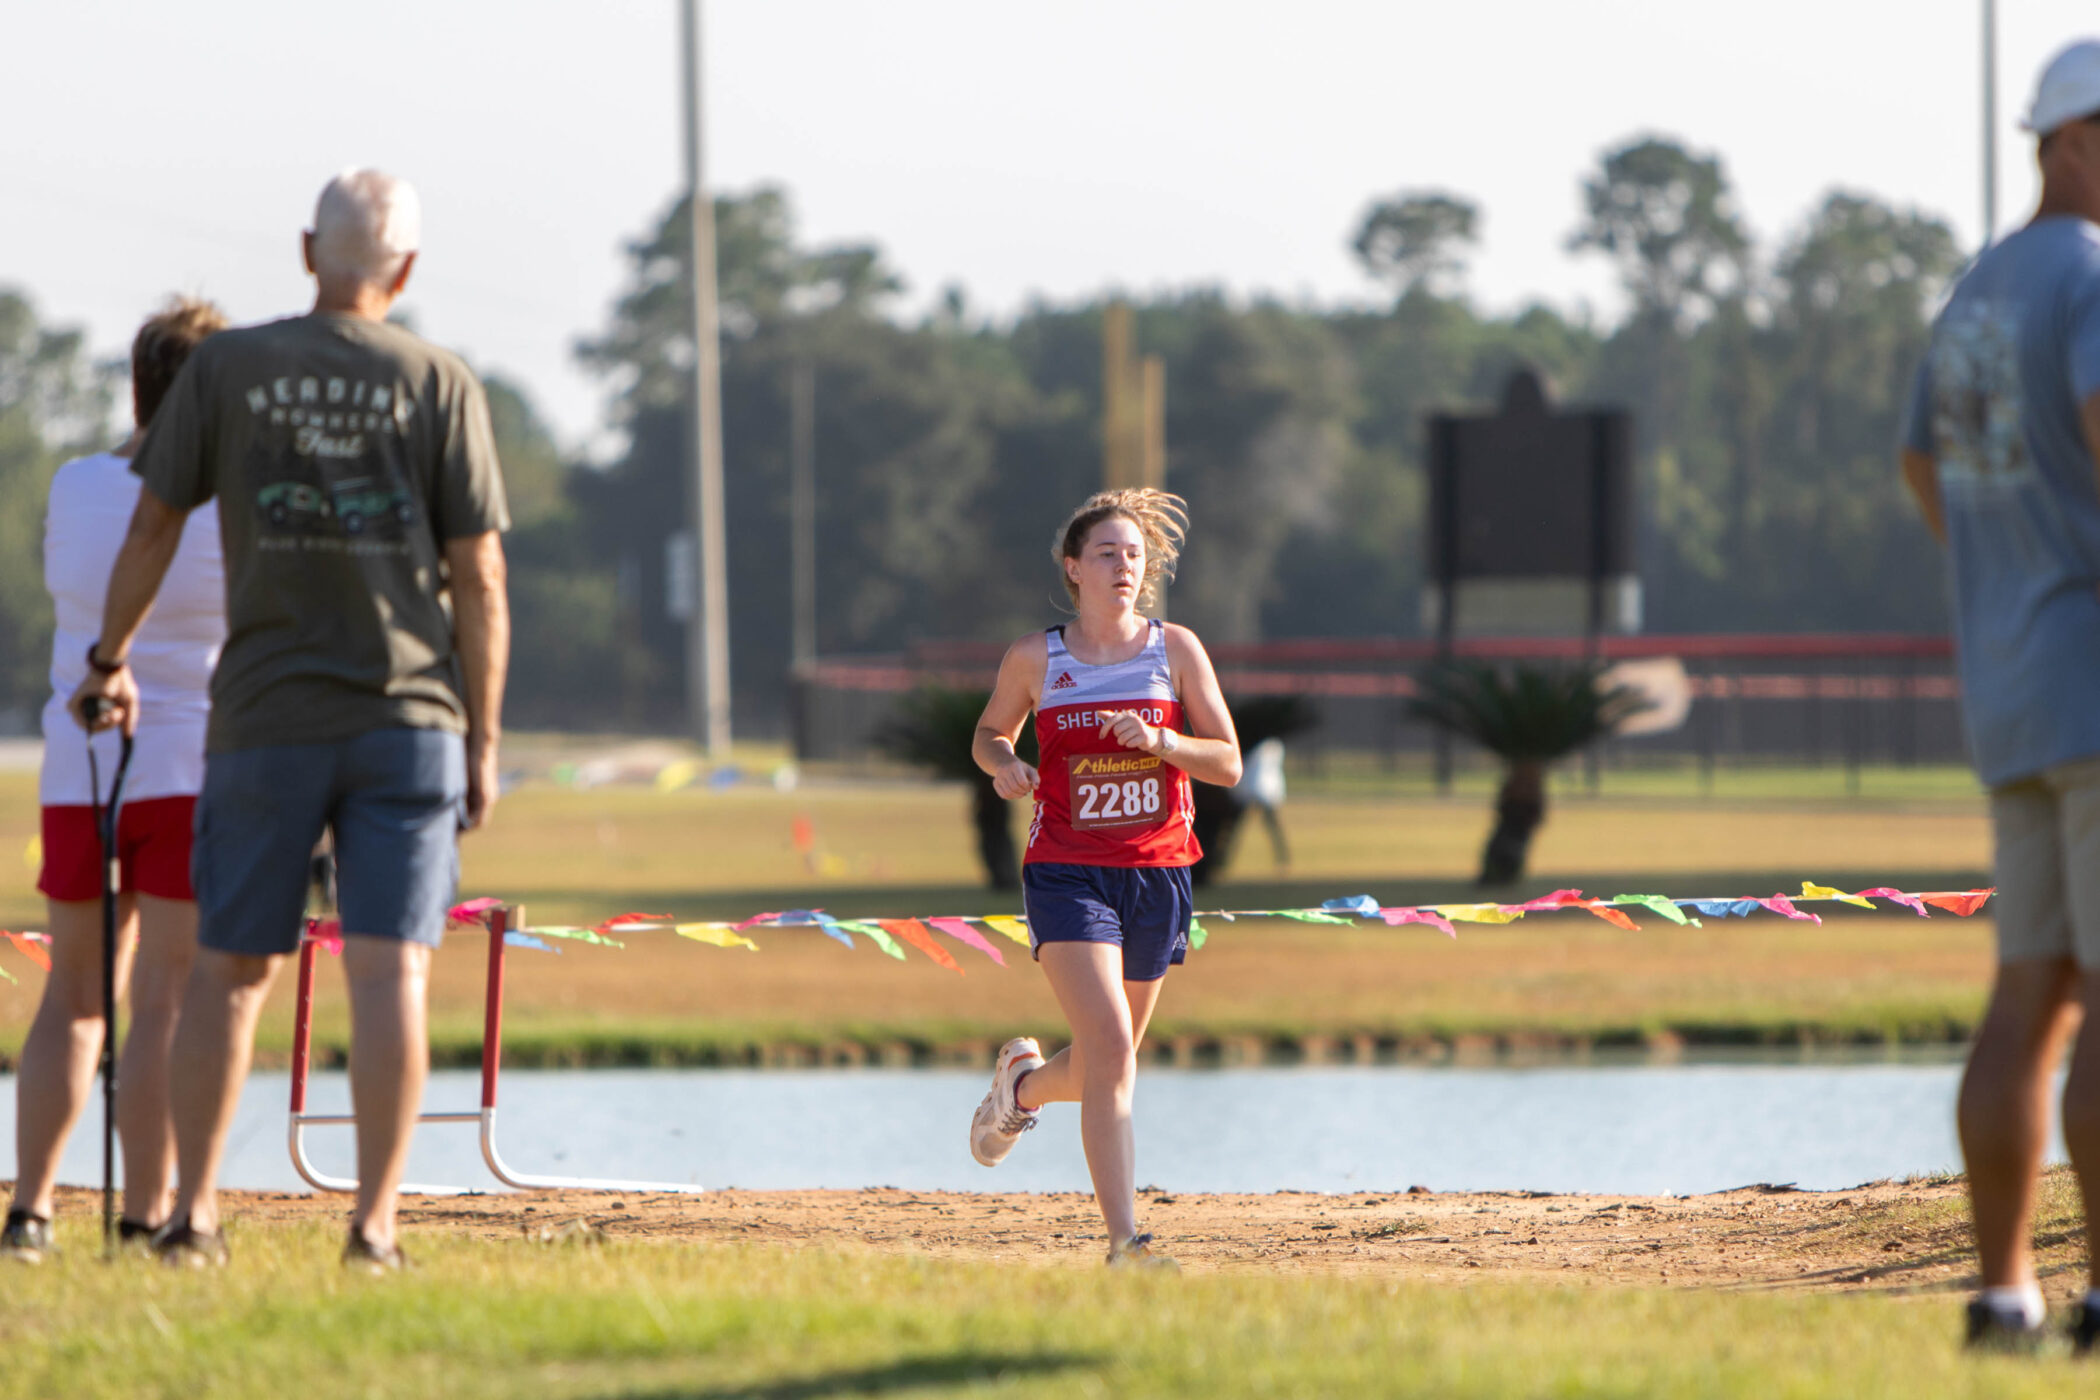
<point>497,922</point>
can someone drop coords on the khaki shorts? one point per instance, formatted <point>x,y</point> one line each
<point>2047,829</point>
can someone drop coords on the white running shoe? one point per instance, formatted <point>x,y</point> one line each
<point>1136,1253</point>
<point>1000,1120</point>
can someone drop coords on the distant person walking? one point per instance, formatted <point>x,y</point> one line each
<point>357,487</point>
<point>1127,711</point>
<point>91,499</point>
<point>2002,449</point>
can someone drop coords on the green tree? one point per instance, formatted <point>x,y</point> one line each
<point>1414,240</point>
<point>54,404</point>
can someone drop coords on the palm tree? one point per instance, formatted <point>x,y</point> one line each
<point>933,728</point>
<point>1529,717</point>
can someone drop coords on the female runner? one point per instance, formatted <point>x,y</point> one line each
<point>1127,710</point>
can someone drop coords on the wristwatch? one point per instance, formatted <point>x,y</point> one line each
<point>1168,741</point>
<point>98,665</point>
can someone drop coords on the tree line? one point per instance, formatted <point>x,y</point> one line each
<point>1766,382</point>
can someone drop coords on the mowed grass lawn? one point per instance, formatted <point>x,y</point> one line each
<point>904,848</point>
<point>759,1322</point>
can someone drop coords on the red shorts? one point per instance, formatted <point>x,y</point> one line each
<point>153,850</point>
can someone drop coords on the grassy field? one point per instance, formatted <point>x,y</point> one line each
<point>759,1322</point>
<point>903,848</point>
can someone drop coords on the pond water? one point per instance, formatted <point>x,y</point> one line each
<point>1635,1127</point>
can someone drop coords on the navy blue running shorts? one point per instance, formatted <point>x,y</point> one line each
<point>1144,910</point>
<point>394,798</point>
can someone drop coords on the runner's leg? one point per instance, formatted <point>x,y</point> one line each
<point>389,1062</point>
<point>167,948</point>
<point>59,1055</point>
<point>1087,979</point>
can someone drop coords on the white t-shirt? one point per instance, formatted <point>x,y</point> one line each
<point>91,503</point>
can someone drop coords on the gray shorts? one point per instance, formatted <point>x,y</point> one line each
<point>394,799</point>
<point>2047,830</point>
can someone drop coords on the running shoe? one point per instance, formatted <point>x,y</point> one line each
<point>361,1254</point>
<point>1990,1330</point>
<point>26,1238</point>
<point>1000,1120</point>
<point>181,1247</point>
<point>1136,1253</point>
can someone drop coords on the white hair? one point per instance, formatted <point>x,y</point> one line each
<point>366,223</point>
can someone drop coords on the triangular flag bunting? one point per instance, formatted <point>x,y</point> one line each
<point>962,933</point>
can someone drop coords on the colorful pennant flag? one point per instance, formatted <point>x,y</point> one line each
<point>1012,928</point>
<point>961,932</point>
<point>875,934</point>
<point>30,946</point>
<point>1660,904</point>
<point>1397,917</point>
<point>1780,904</point>
<point>720,935</point>
<point>1908,901</point>
<point>916,934</point>
<point>1481,913</point>
<point>1964,904</point>
<point>1811,890</point>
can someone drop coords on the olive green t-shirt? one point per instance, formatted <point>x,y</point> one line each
<point>343,453</point>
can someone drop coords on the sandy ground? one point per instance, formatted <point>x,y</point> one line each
<point>1888,1237</point>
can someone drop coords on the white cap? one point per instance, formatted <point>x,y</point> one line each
<point>2069,89</point>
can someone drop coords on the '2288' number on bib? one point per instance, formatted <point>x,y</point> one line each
<point>1115,789</point>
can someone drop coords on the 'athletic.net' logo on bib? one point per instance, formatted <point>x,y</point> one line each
<point>1115,789</point>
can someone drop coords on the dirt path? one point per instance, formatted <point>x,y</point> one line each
<point>1886,1236</point>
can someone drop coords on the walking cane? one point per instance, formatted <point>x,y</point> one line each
<point>106,828</point>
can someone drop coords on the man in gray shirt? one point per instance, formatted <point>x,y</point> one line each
<point>358,492</point>
<point>2002,448</point>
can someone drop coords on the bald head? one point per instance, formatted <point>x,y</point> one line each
<point>367,225</point>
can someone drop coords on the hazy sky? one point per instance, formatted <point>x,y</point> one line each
<point>1020,151</point>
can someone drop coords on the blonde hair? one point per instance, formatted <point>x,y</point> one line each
<point>161,347</point>
<point>1160,516</point>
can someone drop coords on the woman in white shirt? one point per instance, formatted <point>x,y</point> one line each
<point>90,509</point>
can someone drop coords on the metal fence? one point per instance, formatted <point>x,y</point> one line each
<point>1853,699</point>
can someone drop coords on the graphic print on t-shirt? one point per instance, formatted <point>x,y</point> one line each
<point>1099,802</point>
<point>1976,398</point>
<point>323,467</point>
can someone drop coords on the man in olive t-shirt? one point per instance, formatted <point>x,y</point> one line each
<point>359,692</point>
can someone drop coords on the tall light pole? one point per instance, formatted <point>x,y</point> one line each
<point>1990,120</point>
<point>707,627</point>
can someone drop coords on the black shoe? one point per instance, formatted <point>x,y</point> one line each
<point>26,1239</point>
<point>361,1253</point>
<point>1990,1330</point>
<point>2085,1328</point>
<point>134,1233</point>
<point>181,1247</point>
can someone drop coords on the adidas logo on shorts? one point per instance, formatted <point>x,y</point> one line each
<point>1064,681</point>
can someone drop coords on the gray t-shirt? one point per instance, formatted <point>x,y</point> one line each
<point>2014,353</point>
<point>343,453</point>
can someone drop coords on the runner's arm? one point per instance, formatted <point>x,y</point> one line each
<point>1013,699</point>
<point>1922,475</point>
<point>481,636</point>
<point>1210,751</point>
<point>149,548</point>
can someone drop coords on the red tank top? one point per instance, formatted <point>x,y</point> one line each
<point>1099,803</point>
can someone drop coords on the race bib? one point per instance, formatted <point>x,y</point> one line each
<point>1117,789</point>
